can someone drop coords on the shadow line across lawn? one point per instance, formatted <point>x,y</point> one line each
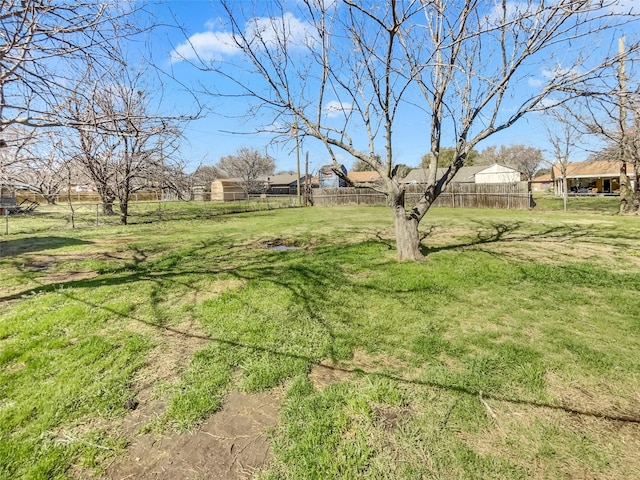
<point>496,233</point>
<point>626,418</point>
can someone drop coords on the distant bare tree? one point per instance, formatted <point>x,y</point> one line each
<point>42,167</point>
<point>341,71</point>
<point>204,175</point>
<point>13,151</point>
<point>129,146</point>
<point>249,166</point>
<point>563,137</point>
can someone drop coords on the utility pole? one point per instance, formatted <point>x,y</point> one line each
<point>295,127</point>
<point>307,187</point>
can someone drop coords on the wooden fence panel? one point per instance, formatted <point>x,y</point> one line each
<point>458,195</point>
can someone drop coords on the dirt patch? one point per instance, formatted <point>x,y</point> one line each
<point>174,348</point>
<point>326,373</point>
<point>115,240</point>
<point>372,363</point>
<point>231,444</point>
<point>284,243</point>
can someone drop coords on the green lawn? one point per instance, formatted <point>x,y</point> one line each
<point>512,351</point>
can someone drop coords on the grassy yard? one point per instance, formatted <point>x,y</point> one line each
<point>511,352</point>
<point>578,203</point>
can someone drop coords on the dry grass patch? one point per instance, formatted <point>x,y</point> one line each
<point>552,443</point>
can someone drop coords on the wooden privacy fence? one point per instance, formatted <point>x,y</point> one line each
<point>456,195</point>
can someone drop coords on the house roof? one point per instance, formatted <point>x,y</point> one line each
<point>542,178</point>
<point>283,179</point>
<point>364,177</point>
<point>464,175</point>
<point>496,168</point>
<point>592,168</point>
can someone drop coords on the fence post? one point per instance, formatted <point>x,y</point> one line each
<point>6,221</point>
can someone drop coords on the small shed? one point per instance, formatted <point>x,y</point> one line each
<point>227,190</point>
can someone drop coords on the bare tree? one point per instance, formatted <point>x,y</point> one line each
<point>525,159</point>
<point>250,167</point>
<point>42,167</point>
<point>204,175</point>
<point>613,116</point>
<point>563,137</point>
<point>13,151</point>
<point>120,141</point>
<point>343,72</point>
<point>43,42</point>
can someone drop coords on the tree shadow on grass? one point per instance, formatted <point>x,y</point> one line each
<point>295,277</point>
<point>495,232</point>
<point>19,246</point>
<point>310,304</point>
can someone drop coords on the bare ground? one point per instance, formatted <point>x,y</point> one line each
<point>231,444</point>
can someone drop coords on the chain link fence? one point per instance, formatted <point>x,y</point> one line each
<point>91,214</point>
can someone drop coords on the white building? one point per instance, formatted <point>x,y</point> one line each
<point>497,174</point>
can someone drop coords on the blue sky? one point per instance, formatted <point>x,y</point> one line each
<point>218,134</point>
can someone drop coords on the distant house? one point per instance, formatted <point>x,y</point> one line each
<point>474,174</point>
<point>327,177</point>
<point>230,189</point>
<point>281,184</point>
<point>366,178</point>
<point>542,183</point>
<point>286,184</point>
<point>591,177</point>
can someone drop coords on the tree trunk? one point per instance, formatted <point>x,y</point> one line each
<point>124,211</point>
<point>635,204</point>
<point>565,192</point>
<point>107,206</point>
<point>626,194</point>
<point>407,235</point>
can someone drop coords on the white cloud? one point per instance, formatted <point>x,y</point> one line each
<point>259,31</point>
<point>334,108</point>
<point>273,30</point>
<point>205,46</point>
<point>510,12</point>
<point>535,82</point>
<point>559,72</point>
